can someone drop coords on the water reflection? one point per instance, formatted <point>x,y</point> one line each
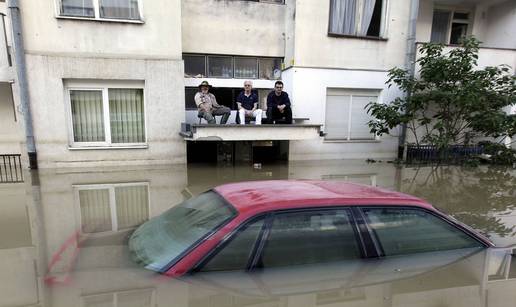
<point>64,240</point>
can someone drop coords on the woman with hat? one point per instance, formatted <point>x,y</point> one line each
<point>208,106</point>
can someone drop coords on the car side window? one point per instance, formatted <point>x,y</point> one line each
<point>403,231</point>
<point>309,238</point>
<point>235,255</point>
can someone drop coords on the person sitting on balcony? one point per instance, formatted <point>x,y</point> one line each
<point>247,102</point>
<point>208,106</point>
<point>278,106</point>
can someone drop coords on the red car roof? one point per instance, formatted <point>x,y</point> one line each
<point>254,196</point>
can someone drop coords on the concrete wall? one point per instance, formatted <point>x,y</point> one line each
<point>164,104</point>
<point>314,48</point>
<point>159,36</point>
<point>233,27</point>
<point>308,89</point>
<point>501,25</point>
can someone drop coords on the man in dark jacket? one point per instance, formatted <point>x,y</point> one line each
<point>278,106</point>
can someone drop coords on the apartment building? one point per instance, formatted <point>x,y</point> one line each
<point>110,82</point>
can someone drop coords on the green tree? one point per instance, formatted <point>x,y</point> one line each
<point>451,100</point>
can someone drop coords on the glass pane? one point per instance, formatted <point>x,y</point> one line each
<point>195,66</point>
<point>140,298</point>
<point>310,237</point>
<point>119,9</point>
<point>235,255</point>
<point>407,231</point>
<point>102,300</point>
<point>79,8</point>
<point>343,17</point>
<point>167,236</point>
<point>132,206</point>
<point>246,68</point>
<point>440,23</point>
<point>189,98</point>
<point>220,66</point>
<point>359,118</point>
<point>270,69</point>
<point>458,31</point>
<point>126,114</point>
<point>95,211</point>
<point>337,117</point>
<point>87,116</point>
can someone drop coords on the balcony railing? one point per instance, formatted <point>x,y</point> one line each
<point>11,168</point>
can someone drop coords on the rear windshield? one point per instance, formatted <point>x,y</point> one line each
<point>164,239</point>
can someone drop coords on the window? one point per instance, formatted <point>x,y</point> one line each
<point>101,9</point>
<point>266,1</point>
<point>113,207</point>
<point>221,66</point>
<point>107,116</point>
<point>236,254</point>
<point>357,17</point>
<point>309,238</point>
<point>137,298</point>
<point>449,27</point>
<point>346,115</point>
<point>407,231</point>
<point>246,68</point>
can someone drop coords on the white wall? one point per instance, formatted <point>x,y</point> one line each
<point>233,27</point>
<point>308,87</point>
<point>314,48</point>
<point>501,26</point>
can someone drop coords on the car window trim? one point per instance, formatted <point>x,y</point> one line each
<point>208,235</point>
<point>348,209</point>
<point>371,245</point>
<point>438,215</point>
<point>228,238</point>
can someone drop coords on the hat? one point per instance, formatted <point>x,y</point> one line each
<point>204,83</point>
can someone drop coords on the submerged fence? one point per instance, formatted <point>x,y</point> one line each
<point>11,168</point>
<point>451,154</point>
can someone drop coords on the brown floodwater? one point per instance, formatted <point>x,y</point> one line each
<point>63,240</point>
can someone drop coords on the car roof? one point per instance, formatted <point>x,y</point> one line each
<point>290,194</point>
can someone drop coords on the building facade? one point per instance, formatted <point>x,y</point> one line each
<point>110,82</point>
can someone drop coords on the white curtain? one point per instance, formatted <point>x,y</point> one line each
<point>343,17</point>
<point>87,116</point>
<point>127,116</point>
<point>81,8</point>
<point>119,9</point>
<point>359,118</point>
<point>440,27</point>
<point>367,15</point>
<point>95,210</point>
<point>132,206</point>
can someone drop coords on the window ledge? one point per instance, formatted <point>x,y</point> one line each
<point>133,21</point>
<point>352,141</point>
<point>143,146</point>
<point>374,38</point>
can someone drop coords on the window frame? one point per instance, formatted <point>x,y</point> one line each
<point>383,23</point>
<point>104,88</point>
<point>438,215</point>
<point>351,92</point>
<point>112,204</point>
<point>364,242</point>
<point>96,12</point>
<point>452,20</point>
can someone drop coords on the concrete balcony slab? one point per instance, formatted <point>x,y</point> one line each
<point>205,132</point>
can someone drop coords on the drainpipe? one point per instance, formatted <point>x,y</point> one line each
<point>410,65</point>
<point>21,74</point>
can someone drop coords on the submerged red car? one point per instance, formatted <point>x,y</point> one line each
<point>268,224</point>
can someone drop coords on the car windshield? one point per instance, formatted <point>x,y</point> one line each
<point>164,239</point>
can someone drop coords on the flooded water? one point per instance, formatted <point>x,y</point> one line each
<point>63,240</point>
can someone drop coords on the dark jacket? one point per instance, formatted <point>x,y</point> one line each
<point>273,101</point>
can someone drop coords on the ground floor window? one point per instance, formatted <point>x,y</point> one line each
<point>138,297</point>
<point>346,115</point>
<point>107,115</point>
<point>112,207</point>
